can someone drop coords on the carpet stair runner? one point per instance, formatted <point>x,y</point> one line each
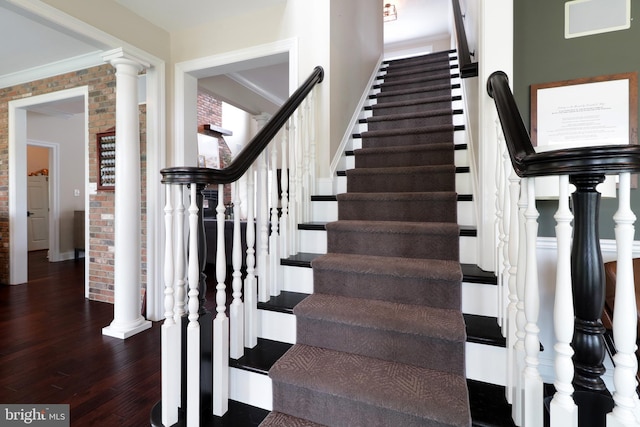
<point>381,340</point>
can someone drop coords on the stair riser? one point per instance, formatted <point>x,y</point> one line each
<point>373,141</point>
<point>421,291</point>
<point>327,211</point>
<point>423,93</point>
<point>429,246</point>
<point>460,159</point>
<point>442,355</point>
<point>277,326</point>
<point>404,158</point>
<point>313,241</point>
<point>410,123</point>
<point>416,83</point>
<point>391,75</point>
<point>462,184</point>
<point>458,138</point>
<point>409,182</point>
<point>394,210</point>
<point>477,298</point>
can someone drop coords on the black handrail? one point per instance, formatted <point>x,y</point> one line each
<point>249,154</point>
<point>467,67</point>
<point>605,159</point>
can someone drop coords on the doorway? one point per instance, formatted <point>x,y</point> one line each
<point>59,123</point>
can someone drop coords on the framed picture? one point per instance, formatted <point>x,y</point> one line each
<point>585,112</point>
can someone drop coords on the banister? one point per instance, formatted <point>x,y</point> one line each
<point>248,155</point>
<point>605,159</point>
<point>467,67</point>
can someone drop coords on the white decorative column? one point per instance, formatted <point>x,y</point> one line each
<point>127,319</point>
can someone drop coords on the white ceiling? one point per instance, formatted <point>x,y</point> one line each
<point>30,42</point>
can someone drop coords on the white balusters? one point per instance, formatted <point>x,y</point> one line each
<point>625,316</point>
<point>512,309</point>
<point>250,284</point>
<point>274,243</point>
<point>284,196</point>
<point>221,322</point>
<point>521,321</point>
<point>533,393</point>
<point>263,230</point>
<point>564,411</point>
<point>236,310</point>
<point>180,255</point>
<point>499,225</point>
<point>170,330</point>
<point>193,328</point>
<point>506,224</point>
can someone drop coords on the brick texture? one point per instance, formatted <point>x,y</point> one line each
<point>101,83</point>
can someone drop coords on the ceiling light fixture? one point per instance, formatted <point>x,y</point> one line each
<point>389,13</point>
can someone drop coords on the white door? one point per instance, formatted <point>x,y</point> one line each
<point>38,212</point>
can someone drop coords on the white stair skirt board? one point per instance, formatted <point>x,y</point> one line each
<point>313,241</point>
<point>486,363</point>
<point>480,299</point>
<point>251,388</point>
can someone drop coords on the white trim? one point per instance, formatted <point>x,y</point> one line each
<point>54,196</point>
<point>346,138</point>
<point>17,135</point>
<point>243,81</point>
<point>81,62</point>
<point>187,72</point>
<point>156,133</point>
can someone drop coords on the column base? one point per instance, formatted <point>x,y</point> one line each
<point>125,331</point>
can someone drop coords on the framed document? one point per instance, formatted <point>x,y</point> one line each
<point>585,112</point>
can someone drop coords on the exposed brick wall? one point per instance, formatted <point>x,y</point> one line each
<point>209,110</point>
<point>101,82</point>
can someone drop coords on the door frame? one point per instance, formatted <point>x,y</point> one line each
<point>17,126</point>
<point>54,196</point>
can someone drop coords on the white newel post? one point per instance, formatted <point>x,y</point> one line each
<point>499,224</point>
<point>512,307</point>
<point>625,316</point>
<point>564,411</point>
<point>127,319</point>
<point>517,408</point>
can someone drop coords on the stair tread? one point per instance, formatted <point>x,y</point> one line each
<point>397,318</point>
<point>375,382</point>
<point>474,274</point>
<point>278,419</point>
<point>284,302</point>
<point>301,259</point>
<point>439,146</point>
<point>418,115</point>
<point>408,131</point>
<point>484,330</point>
<point>261,358</point>
<point>334,198</point>
<point>396,227</point>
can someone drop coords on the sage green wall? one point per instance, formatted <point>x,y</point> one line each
<point>542,55</point>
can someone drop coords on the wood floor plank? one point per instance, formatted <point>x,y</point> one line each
<point>52,351</point>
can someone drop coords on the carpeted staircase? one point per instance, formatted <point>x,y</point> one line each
<point>381,340</point>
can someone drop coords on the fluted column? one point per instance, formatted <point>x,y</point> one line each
<point>127,319</point>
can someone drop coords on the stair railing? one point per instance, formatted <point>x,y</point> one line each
<point>579,288</point>
<point>195,366</point>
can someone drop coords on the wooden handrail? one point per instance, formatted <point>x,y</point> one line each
<point>468,68</point>
<point>249,154</point>
<point>605,159</point>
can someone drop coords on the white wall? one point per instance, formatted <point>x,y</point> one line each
<point>345,38</point>
<point>69,134</point>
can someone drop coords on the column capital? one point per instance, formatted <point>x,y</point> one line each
<point>119,56</point>
<point>262,119</point>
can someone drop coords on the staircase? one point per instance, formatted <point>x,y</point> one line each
<point>380,337</point>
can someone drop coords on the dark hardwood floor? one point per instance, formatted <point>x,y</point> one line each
<point>52,350</point>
